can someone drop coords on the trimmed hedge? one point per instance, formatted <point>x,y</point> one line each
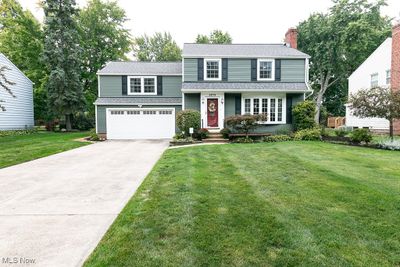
<point>18,132</point>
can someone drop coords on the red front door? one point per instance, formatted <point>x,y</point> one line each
<point>212,112</point>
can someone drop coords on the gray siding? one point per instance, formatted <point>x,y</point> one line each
<point>190,69</point>
<point>192,101</point>
<point>101,115</point>
<point>19,110</point>
<point>229,105</point>
<point>239,70</point>
<point>111,86</point>
<point>293,70</point>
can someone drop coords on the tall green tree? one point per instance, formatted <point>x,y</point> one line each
<point>338,42</point>
<point>21,40</point>
<point>61,55</point>
<point>103,38</point>
<point>215,37</point>
<point>159,47</point>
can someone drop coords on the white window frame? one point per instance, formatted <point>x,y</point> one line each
<point>388,77</point>
<point>377,79</point>
<point>272,71</point>
<point>269,97</point>
<point>141,85</point>
<point>219,69</point>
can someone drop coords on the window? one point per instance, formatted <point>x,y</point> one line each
<point>133,112</point>
<point>273,107</point>
<point>247,106</point>
<point>266,70</point>
<point>139,85</point>
<point>149,112</point>
<point>212,69</point>
<point>374,79</point>
<point>117,112</point>
<point>388,76</point>
<point>165,112</point>
<point>256,106</point>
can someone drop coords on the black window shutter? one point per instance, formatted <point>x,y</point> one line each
<point>289,103</point>
<point>124,85</point>
<point>224,69</point>
<point>238,104</point>
<point>200,69</point>
<point>254,69</point>
<point>277,70</point>
<point>159,85</point>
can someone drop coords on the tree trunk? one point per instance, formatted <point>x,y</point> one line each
<point>68,122</point>
<point>318,106</point>
<point>391,129</point>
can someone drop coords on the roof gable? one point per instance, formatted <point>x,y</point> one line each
<point>2,56</point>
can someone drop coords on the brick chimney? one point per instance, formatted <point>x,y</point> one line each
<point>395,69</point>
<point>291,37</point>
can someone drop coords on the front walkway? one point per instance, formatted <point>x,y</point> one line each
<point>54,210</point>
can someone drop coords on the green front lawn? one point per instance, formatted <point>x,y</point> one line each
<point>281,204</point>
<point>21,148</point>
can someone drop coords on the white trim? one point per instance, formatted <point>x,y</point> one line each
<point>245,90</point>
<point>96,122</point>
<point>183,101</point>
<point>141,85</point>
<point>138,74</point>
<point>269,97</point>
<point>137,104</point>
<point>272,69</point>
<point>246,56</point>
<point>219,69</point>
<point>98,85</point>
<point>221,109</point>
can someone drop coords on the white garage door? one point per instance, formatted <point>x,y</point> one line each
<point>152,123</point>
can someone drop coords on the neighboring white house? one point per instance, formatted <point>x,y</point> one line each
<point>19,109</point>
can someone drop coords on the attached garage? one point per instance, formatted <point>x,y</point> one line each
<point>140,123</point>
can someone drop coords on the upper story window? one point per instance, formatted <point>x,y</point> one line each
<point>374,80</point>
<point>265,70</point>
<point>212,69</point>
<point>388,76</point>
<point>142,85</point>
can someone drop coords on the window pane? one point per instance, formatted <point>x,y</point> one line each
<point>265,69</point>
<point>374,80</point>
<point>247,106</point>
<point>256,106</point>
<point>212,69</point>
<point>264,106</point>
<point>136,85</point>
<point>149,85</point>
<point>279,109</point>
<point>388,77</point>
<point>272,110</point>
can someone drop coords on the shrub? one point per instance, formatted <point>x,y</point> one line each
<point>94,136</point>
<point>303,115</point>
<point>18,132</point>
<point>225,133</point>
<point>308,134</point>
<point>179,136</point>
<point>244,123</point>
<point>360,135</point>
<point>82,121</point>
<point>277,138</point>
<point>340,132</point>
<point>244,140</point>
<point>389,144</point>
<point>203,133</point>
<point>186,119</point>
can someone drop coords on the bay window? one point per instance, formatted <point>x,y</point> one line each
<point>272,107</point>
<point>142,85</point>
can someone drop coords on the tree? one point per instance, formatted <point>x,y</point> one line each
<point>103,38</point>
<point>159,47</point>
<point>376,102</point>
<point>215,37</point>
<point>245,123</point>
<point>339,42</point>
<point>21,38</point>
<point>4,84</point>
<point>61,55</point>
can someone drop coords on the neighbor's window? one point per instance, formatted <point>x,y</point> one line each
<point>212,69</point>
<point>272,107</point>
<point>142,85</point>
<point>265,69</point>
<point>374,79</point>
<point>388,76</point>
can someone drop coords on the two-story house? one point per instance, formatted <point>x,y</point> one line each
<point>141,99</point>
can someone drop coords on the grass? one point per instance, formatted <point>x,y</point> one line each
<point>277,204</point>
<point>22,148</point>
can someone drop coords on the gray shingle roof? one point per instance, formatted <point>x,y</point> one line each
<point>138,101</point>
<point>241,50</point>
<point>142,68</point>
<point>280,86</point>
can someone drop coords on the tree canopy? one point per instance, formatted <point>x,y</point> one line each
<point>159,47</point>
<point>215,37</point>
<point>102,38</point>
<point>338,42</point>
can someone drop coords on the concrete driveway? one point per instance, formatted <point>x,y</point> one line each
<point>54,210</point>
